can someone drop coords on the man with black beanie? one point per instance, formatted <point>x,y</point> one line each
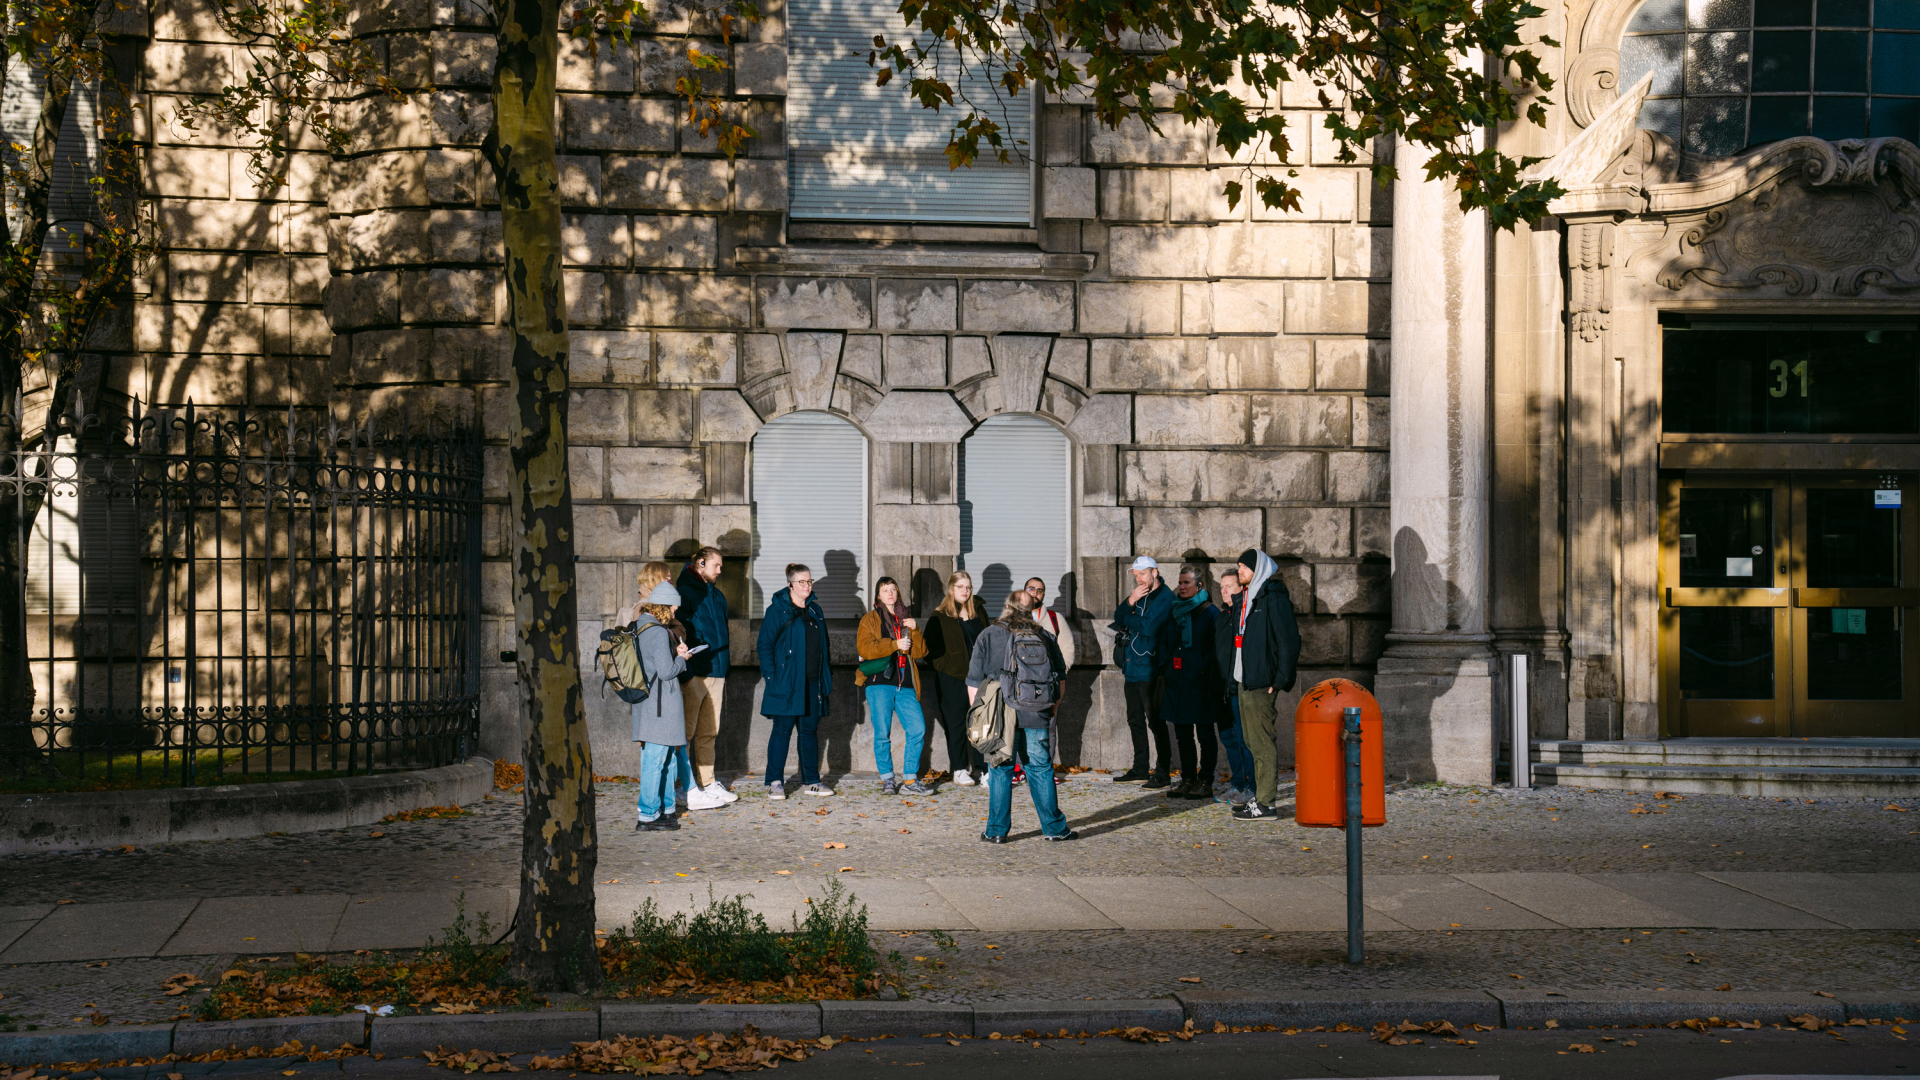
<point>1258,646</point>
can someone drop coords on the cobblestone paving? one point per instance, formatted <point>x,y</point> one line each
<point>123,991</point>
<point>1125,831</point>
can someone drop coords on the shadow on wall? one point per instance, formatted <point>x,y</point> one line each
<point>836,585</point>
<point>1406,713</point>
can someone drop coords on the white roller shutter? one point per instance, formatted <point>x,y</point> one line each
<point>53,549</point>
<point>1015,505</point>
<point>810,506</point>
<point>76,150</point>
<point>861,152</point>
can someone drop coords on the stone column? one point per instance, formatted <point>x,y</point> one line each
<point>1435,681</point>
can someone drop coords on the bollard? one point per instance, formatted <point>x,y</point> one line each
<point>1356,925</point>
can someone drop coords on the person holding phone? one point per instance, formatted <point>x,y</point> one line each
<point>889,641</point>
<point>660,722</point>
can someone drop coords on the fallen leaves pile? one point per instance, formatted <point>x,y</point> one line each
<point>317,988</point>
<point>471,1061</point>
<point>1397,1034</point>
<point>291,1049</point>
<point>662,1055</point>
<point>425,813</point>
<point>507,775</point>
<point>832,982</point>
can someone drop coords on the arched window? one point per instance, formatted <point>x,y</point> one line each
<point>1729,74</point>
<point>1016,503</point>
<point>810,506</point>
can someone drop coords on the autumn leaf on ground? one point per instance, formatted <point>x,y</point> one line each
<point>1581,1048</point>
<point>455,1009</point>
<point>845,869</point>
<point>833,845</point>
<point>1724,986</point>
<point>179,984</point>
<point>1188,979</point>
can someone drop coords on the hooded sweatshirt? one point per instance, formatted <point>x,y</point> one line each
<point>1262,570</point>
<point>1257,640</point>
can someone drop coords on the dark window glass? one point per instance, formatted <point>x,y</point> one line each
<point>1726,653</point>
<point>1897,14</point>
<point>1851,543</point>
<point>1853,654</point>
<point>1840,61</point>
<point>1752,378</point>
<point>1783,12</point>
<point>1778,118</point>
<point>1896,116</point>
<point>1896,63</point>
<point>1719,14</point>
<point>1781,60</point>
<point>1840,117</point>
<point>1726,538</point>
<point>1843,13</point>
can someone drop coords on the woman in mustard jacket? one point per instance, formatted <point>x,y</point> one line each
<point>889,642</point>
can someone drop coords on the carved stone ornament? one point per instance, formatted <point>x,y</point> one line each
<point>1590,288</point>
<point>1592,84</point>
<point>1841,222</point>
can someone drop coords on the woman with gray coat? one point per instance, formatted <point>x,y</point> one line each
<point>660,722</point>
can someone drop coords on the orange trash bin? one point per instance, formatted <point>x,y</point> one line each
<point>1320,758</point>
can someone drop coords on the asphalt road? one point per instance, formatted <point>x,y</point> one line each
<point>1510,1055</point>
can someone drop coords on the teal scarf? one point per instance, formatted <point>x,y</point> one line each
<point>1183,616</point>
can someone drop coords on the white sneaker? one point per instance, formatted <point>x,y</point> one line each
<point>963,778</point>
<point>776,791</point>
<point>703,799</point>
<point>817,789</point>
<point>714,790</point>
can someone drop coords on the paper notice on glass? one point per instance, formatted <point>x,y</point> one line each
<point>1886,500</point>
<point>1740,567</point>
<point>1849,620</point>
<point>1689,546</point>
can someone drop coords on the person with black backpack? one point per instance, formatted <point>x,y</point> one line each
<point>1027,663</point>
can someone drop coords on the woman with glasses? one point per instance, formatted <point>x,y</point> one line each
<point>793,660</point>
<point>955,625</point>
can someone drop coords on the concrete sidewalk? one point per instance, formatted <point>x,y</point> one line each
<point>319,922</point>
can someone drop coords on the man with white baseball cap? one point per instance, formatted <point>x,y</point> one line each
<point>1137,624</point>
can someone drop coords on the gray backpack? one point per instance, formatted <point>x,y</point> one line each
<point>1028,682</point>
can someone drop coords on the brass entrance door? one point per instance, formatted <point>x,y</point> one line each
<point>1786,605</point>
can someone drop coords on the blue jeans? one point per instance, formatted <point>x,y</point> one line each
<point>662,769</point>
<point>883,704</point>
<point>1046,802</point>
<point>1239,758</point>
<point>783,729</point>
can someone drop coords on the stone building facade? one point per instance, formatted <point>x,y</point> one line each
<point>1451,438</point>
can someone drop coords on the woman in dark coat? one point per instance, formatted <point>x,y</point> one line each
<point>793,660</point>
<point>1190,701</point>
<point>955,626</point>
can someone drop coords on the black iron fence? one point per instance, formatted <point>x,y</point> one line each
<point>211,593</point>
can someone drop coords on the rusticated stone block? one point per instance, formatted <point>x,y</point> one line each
<point>365,299</point>
<point>305,229</point>
<point>1301,420</point>
<point>1310,532</point>
<point>916,361</point>
<point>1133,195</point>
<point>1352,588</point>
<point>1159,251</point>
<point>1017,305</point>
<point>216,278</point>
<point>1325,195</point>
<point>455,296</point>
<point>596,240</point>
<point>760,355</point>
<point>217,328</point>
<point>970,359</point>
<point>188,172</point>
<point>1201,195</point>
<point>218,226</point>
<point>698,300</point>
<point>676,241</point>
<point>1178,532</point>
<point>463,59</point>
<point>451,175</point>
<point>1229,476</point>
<point>1271,251</point>
<point>478,353</point>
<point>1336,307</point>
<point>1068,193</point>
<point>1247,307</point>
<point>597,416</point>
<point>630,124</point>
<point>759,186</point>
<point>1343,363</point>
<point>297,332</point>
<point>662,416</point>
<point>1105,531</point>
<point>389,356</point>
<point>824,303</point>
<point>906,416</point>
<point>586,298</point>
<point>917,304</point>
<point>1370,419</point>
<point>692,359</point>
<point>918,529</point>
<point>587,473</point>
<point>460,117</point>
<point>1163,364</point>
<point>1187,419</point>
<point>605,65</point>
<point>760,69</point>
<point>1262,363</point>
<point>1104,418</point>
<point>1126,307</point>
<point>659,64</point>
<point>188,68</point>
<point>665,184</point>
<point>1372,531</point>
<point>1324,641</point>
<point>655,472</point>
<point>1131,143</point>
<point>860,358</point>
<point>1068,361</point>
<point>726,417</point>
<point>1362,252</point>
<point>626,355</point>
<point>388,238</point>
<point>1357,477</point>
<point>579,180</point>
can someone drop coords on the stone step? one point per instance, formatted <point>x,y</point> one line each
<point>1778,782</point>
<point>1734,753</point>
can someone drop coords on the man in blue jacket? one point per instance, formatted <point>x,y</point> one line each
<point>703,611</point>
<point>793,660</point>
<point>1138,624</point>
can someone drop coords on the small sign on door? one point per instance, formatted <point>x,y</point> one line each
<point>1886,500</point>
<point>1849,620</point>
<point>1739,567</point>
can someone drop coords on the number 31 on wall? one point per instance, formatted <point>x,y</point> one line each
<point>1780,372</point>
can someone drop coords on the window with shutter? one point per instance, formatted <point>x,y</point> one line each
<point>809,491</point>
<point>861,152</point>
<point>70,200</point>
<point>1016,495</point>
<point>84,552</point>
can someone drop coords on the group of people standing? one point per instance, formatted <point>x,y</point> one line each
<point>1190,668</point>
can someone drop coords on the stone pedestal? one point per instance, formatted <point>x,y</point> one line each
<point>1436,681</point>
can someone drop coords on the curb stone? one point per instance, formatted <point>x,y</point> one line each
<point>397,1036</point>
<point>1359,1009</point>
<point>1634,1008</point>
<point>864,1018</point>
<point>1013,1017</point>
<point>99,1044</point>
<point>797,1021</point>
<point>325,1032</point>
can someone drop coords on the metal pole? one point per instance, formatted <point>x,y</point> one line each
<point>1522,733</point>
<point>1356,930</point>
